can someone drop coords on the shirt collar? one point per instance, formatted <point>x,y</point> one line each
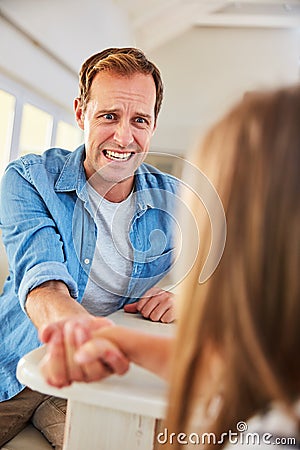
<point>72,176</point>
<point>144,190</point>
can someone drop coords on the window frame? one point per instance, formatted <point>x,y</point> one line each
<point>23,95</point>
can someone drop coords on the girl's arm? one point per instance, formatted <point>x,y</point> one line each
<point>149,351</point>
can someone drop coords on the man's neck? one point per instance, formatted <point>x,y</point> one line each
<point>113,192</point>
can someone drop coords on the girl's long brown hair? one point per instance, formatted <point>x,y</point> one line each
<point>239,333</point>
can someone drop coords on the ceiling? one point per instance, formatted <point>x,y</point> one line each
<point>225,48</point>
<point>159,21</point>
<point>68,30</point>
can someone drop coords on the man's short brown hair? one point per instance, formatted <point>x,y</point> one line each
<point>124,61</point>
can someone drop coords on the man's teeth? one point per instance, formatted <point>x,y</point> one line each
<point>117,155</point>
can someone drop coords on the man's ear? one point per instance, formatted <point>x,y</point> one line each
<point>79,116</point>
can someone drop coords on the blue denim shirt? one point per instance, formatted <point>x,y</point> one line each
<point>49,234</point>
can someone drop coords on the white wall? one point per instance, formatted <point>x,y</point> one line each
<point>27,64</point>
<point>62,27</point>
<point>207,69</point>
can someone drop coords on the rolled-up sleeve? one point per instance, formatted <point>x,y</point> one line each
<point>45,272</point>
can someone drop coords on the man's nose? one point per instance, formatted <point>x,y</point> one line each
<point>123,134</point>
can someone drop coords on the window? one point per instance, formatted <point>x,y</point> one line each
<point>67,136</point>
<point>36,130</point>
<point>31,123</point>
<point>7,112</point>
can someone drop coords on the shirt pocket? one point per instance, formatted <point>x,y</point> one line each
<point>158,264</point>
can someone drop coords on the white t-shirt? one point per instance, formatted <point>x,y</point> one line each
<point>112,264</point>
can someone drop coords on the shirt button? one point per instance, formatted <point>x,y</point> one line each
<point>86,261</point>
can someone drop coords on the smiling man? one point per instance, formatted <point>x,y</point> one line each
<point>87,233</point>
<point>118,122</point>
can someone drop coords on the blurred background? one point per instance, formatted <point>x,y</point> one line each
<point>210,52</point>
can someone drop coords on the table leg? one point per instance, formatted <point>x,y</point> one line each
<point>93,427</point>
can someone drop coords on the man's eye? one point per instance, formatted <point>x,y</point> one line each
<point>109,116</point>
<point>140,120</point>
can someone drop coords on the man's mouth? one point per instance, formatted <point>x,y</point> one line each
<point>117,156</point>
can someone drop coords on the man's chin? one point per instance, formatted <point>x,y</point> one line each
<point>112,178</point>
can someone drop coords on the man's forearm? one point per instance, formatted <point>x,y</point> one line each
<point>51,302</point>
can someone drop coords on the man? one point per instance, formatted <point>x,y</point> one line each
<point>86,233</point>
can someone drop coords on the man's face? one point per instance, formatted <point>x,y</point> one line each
<point>118,124</point>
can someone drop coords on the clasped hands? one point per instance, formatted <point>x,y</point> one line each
<point>80,348</point>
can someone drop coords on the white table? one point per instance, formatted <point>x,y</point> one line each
<point>112,414</point>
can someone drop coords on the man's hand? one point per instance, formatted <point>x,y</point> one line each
<point>63,338</point>
<point>156,305</point>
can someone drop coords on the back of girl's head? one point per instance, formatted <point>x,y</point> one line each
<point>247,315</point>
